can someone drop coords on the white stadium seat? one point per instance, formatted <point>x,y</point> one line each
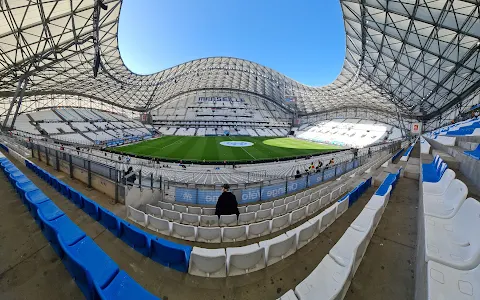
<point>446,205</point>
<point>234,234</point>
<point>328,281</point>
<point>278,223</point>
<point>367,220</point>
<point>293,205</point>
<point>452,242</point>
<point>194,210</point>
<point>349,250</point>
<point>190,219</point>
<point>313,207</point>
<point>173,216</point>
<point>266,205</point>
<point>326,218</point>
<point>305,232</point>
<point>341,207</point>
<point>137,216</point>
<point>186,232</point>
<point>208,262</point>
<point>448,283</point>
<point>298,215</point>
<point>242,209</point>
<point>439,188</point>
<point>246,218</point>
<point>165,205</point>
<point>278,248</point>
<point>208,211</point>
<point>279,202</point>
<point>180,208</point>
<point>304,201</point>
<point>159,225</point>
<point>263,215</point>
<point>243,260</point>
<point>325,200</point>
<point>154,210</point>
<point>258,229</point>
<point>289,199</point>
<point>253,208</point>
<point>228,220</point>
<point>209,234</point>
<point>209,221</point>
<point>290,295</point>
<point>279,210</point>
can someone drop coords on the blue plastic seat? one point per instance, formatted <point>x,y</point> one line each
<point>90,207</point>
<point>135,238</point>
<point>33,199</point>
<point>64,189</point>
<point>475,153</point>
<point>170,254</point>
<point>123,287</point>
<point>76,197</point>
<point>61,227</point>
<point>88,265</point>
<point>24,187</point>
<point>18,178</point>
<point>109,220</point>
<point>383,188</point>
<point>352,196</point>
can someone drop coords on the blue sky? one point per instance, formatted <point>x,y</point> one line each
<point>303,41</point>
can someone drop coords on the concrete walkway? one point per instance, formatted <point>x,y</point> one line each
<point>29,268</point>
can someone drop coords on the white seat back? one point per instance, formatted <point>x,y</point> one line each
<point>190,219</point>
<point>165,205</point>
<point>137,216</point>
<point>342,207</point>
<point>439,188</point>
<point>234,234</point>
<point>258,229</point>
<point>289,199</point>
<point>279,202</point>
<point>208,221</point>
<point>293,205</point>
<point>209,211</point>
<point>243,260</point>
<point>172,215</point>
<point>278,248</point>
<point>185,232</point>
<point>328,216</point>
<point>304,201</point>
<point>278,223</point>
<point>194,210</point>
<point>208,262</point>
<point>266,205</point>
<point>209,234</point>
<point>298,214</point>
<point>242,209</point>
<point>263,215</point>
<point>313,207</point>
<point>246,218</point>
<point>325,200</point>
<point>154,210</point>
<point>159,225</point>
<point>228,220</point>
<point>180,208</point>
<point>279,210</point>
<point>253,208</point>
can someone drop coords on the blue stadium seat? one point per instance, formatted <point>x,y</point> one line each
<point>353,196</point>
<point>61,227</point>
<point>18,178</point>
<point>170,254</point>
<point>135,238</point>
<point>24,187</point>
<point>64,189</point>
<point>109,220</point>
<point>90,207</point>
<point>368,183</point>
<point>383,188</point>
<point>475,153</point>
<point>33,199</point>
<point>76,197</point>
<point>88,265</point>
<point>55,183</point>
<point>123,287</point>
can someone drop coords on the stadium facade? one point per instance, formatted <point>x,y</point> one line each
<point>404,59</point>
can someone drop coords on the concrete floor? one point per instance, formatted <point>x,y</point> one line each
<point>166,283</point>
<point>29,268</point>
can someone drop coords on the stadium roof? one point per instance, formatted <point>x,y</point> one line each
<point>421,56</point>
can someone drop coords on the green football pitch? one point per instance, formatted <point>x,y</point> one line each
<point>210,149</point>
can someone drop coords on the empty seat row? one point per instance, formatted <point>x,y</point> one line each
<point>241,260</point>
<point>205,228</point>
<point>173,255</point>
<point>95,273</point>
<point>424,146</point>
<point>452,245</point>
<point>332,277</point>
<point>406,155</point>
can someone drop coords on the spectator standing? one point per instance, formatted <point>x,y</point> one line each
<point>226,203</point>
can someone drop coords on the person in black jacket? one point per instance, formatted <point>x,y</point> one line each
<point>227,203</point>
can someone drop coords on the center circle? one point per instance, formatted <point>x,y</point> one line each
<point>236,144</point>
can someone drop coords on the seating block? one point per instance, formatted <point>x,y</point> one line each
<point>208,262</point>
